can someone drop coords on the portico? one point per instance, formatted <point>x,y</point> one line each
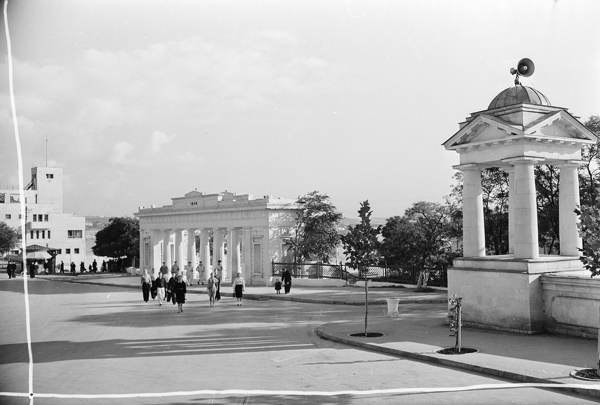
<point>519,130</point>
<point>245,233</point>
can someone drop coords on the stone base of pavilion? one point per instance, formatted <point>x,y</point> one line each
<point>504,293</point>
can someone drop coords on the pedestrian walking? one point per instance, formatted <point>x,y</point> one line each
<point>219,270</point>
<point>32,269</point>
<point>94,266</point>
<point>171,288</point>
<point>160,289</point>
<point>286,278</point>
<point>211,289</point>
<point>9,269</point>
<point>180,290</point>
<point>62,267</point>
<point>164,269</point>
<point>146,284</point>
<point>217,278</point>
<point>239,285</point>
<point>153,286</point>
<point>175,268</point>
<point>82,267</point>
<point>189,273</point>
<point>200,269</point>
<point>73,267</point>
<point>277,286</point>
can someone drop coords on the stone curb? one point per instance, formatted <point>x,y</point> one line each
<point>452,363</point>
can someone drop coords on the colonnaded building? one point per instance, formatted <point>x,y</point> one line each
<point>247,234</point>
<point>45,222</point>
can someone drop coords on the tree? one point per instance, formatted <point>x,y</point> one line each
<point>421,239</point>
<point>589,229</point>
<point>589,173</point>
<point>315,234</point>
<point>9,238</point>
<point>120,238</point>
<point>547,185</point>
<point>360,247</point>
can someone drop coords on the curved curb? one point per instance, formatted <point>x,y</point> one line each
<point>450,363</point>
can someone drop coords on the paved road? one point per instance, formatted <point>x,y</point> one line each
<point>96,340</point>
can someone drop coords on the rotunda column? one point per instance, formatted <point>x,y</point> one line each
<point>178,246</point>
<point>568,200</point>
<point>526,223</point>
<point>473,225</point>
<point>247,254</point>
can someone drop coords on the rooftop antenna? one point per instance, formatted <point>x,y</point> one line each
<point>525,68</point>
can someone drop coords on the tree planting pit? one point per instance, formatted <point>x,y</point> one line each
<point>452,350</point>
<point>368,335</point>
<point>588,374</point>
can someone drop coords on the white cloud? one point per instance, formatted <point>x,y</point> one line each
<point>122,150</point>
<point>158,140</point>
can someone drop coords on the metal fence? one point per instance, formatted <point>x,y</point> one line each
<point>437,277</point>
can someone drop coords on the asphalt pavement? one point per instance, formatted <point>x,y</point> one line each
<point>420,329</point>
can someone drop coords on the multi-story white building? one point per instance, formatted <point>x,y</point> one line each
<point>45,222</point>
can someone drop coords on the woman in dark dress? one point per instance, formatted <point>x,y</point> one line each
<point>153,286</point>
<point>180,290</point>
<point>286,278</point>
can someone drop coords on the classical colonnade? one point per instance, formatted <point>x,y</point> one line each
<point>522,214</point>
<point>176,245</point>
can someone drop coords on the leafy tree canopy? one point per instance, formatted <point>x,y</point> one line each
<point>120,238</point>
<point>9,238</point>
<point>589,228</point>
<point>315,233</point>
<point>361,243</point>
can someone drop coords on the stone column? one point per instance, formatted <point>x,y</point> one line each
<point>156,254</point>
<point>166,248</point>
<point>205,253</point>
<point>191,248</point>
<point>233,252</point>
<point>568,200</point>
<point>511,210</point>
<point>178,245</point>
<point>526,224</point>
<point>473,225</point>
<point>247,254</point>
<point>217,246</point>
<point>143,253</point>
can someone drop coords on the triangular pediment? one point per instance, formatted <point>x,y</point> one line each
<point>483,129</point>
<point>557,126</point>
<point>560,125</point>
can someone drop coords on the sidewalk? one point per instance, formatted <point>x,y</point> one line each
<point>420,330</point>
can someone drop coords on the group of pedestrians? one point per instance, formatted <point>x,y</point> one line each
<point>171,286</point>
<point>168,287</point>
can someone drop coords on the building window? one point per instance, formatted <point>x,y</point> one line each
<point>7,216</point>
<point>48,233</point>
<point>76,251</point>
<point>15,198</point>
<point>59,251</point>
<point>2,198</point>
<point>37,234</point>
<point>34,217</point>
<point>19,216</point>
<point>68,251</point>
<point>31,235</point>
<point>75,234</point>
<point>49,175</point>
<point>194,203</point>
<point>45,217</point>
<point>43,234</point>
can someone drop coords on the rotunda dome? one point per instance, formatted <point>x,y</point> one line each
<point>517,95</point>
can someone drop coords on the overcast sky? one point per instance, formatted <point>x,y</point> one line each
<point>143,101</point>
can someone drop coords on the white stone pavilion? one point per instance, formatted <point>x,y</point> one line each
<point>519,130</point>
<point>253,231</point>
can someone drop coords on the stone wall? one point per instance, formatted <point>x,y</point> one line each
<point>571,305</point>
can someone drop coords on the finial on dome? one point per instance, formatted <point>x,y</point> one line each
<point>525,68</point>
